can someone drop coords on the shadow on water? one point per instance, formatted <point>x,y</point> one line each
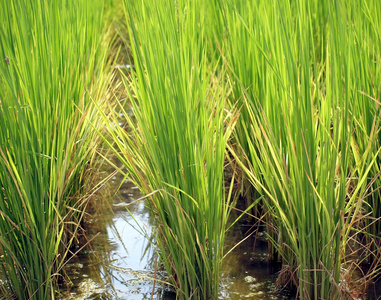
<point>247,272</point>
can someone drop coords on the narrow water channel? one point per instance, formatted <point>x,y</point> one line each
<point>119,261</point>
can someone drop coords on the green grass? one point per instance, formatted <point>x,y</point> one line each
<point>53,58</point>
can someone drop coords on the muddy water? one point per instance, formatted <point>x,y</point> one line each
<point>120,261</point>
<point>247,272</point>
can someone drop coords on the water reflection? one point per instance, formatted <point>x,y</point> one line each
<point>119,263</point>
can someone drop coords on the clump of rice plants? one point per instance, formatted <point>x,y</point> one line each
<point>365,109</point>
<point>53,54</point>
<point>306,128</point>
<point>174,151</point>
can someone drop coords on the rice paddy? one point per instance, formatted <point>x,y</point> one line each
<point>267,111</point>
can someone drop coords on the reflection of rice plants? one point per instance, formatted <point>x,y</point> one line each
<point>52,56</point>
<point>175,151</point>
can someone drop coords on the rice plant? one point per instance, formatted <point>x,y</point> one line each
<point>174,151</point>
<point>53,57</point>
<point>295,70</point>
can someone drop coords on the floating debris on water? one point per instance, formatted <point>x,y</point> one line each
<point>250,279</point>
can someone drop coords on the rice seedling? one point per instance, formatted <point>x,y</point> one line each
<point>174,147</point>
<point>53,57</point>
